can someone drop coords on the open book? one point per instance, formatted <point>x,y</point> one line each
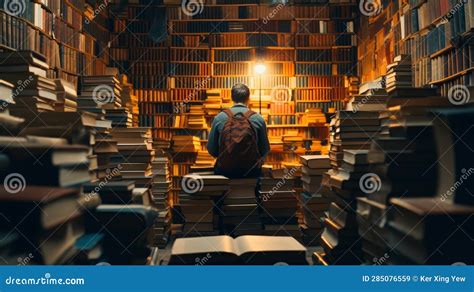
<point>245,250</point>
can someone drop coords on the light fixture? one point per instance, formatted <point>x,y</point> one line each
<point>260,68</point>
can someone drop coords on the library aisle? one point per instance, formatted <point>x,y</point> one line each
<point>109,110</point>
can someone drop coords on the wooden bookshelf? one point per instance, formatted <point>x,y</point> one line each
<point>437,36</point>
<point>220,47</point>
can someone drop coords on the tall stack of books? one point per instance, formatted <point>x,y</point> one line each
<point>352,130</point>
<point>196,118</point>
<point>9,125</point>
<point>429,231</point>
<point>135,155</point>
<point>41,225</point>
<point>66,96</point>
<point>160,198</point>
<point>104,93</point>
<point>399,74</point>
<point>279,206</point>
<point>33,92</point>
<point>240,210</point>
<point>204,162</point>
<point>313,200</point>
<point>185,144</point>
<point>129,99</point>
<point>370,100</point>
<point>197,203</point>
<point>213,103</point>
<point>128,229</point>
<point>351,135</point>
<point>313,116</point>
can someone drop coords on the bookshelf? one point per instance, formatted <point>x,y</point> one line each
<point>309,52</point>
<point>437,35</point>
<point>58,30</point>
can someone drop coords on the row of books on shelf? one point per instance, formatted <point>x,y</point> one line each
<point>326,55</point>
<point>440,66</point>
<point>262,12</point>
<point>458,15</point>
<point>126,40</point>
<point>151,95</point>
<point>155,121</point>
<point>155,108</point>
<point>264,40</point>
<point>265,26</point>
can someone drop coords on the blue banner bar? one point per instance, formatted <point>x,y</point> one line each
<point>242,278</point>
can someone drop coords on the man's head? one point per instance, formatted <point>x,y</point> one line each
<point>240,93</point>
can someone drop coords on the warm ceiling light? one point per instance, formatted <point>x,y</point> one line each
<point>260,69</point>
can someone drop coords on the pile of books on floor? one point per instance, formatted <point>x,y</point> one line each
<point>352,130</point>
<point>160,193</point>
<point>352,136</point>
<point>313,200</point>
<point>196,118</point>
<point>213,103</point>
<point>129,99</point>
<point>33,92</point>
<point>313,116</point>
<point>204,162</point>
<point>43,225</point>
<point>197,202</point>
<point>374,99</point>
<point>240,212</point>
<point>135,155</point>
<point>128,228</point>
<point>399,74</point>
<point>185,144</point>
<point>9,125</point>
<point>279,206</point>
<point>429,231</point>
<point>66,96</point>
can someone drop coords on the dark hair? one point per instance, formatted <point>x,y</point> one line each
<point>240,93</point>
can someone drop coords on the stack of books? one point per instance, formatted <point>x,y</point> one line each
<point>352,135</point>
<point>352,130</point>
<point>160,198</point>
<point>240,212</point>
<point>41,225</point>
<point>185,144</point>
<point>213,103</point>
<point>340,238</point>
<point>204,162</point>
<point>33,92</point>
<point>370,100</point>
<point>197,203</point>
<point>118,192</point>
<point>313,116</point>
<point>279,207</point>
<point>129,99</point>
<point>47,161</point>
<point>196,118</point>
<point>66,96</point>
<point>128,229</point>
<point>429,231</point>
<point>135,155</point>
<point>9,125</point>
<point>313,200</point>
<point>399,74</point>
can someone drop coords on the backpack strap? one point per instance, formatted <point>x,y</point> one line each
<point>249,113</point>
<point>229,113</point>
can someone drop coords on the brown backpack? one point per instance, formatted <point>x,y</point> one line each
<point>239,153</point>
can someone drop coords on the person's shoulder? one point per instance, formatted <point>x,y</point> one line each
<point>257,117</point>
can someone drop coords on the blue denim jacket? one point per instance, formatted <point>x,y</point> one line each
<point>218,124</point>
